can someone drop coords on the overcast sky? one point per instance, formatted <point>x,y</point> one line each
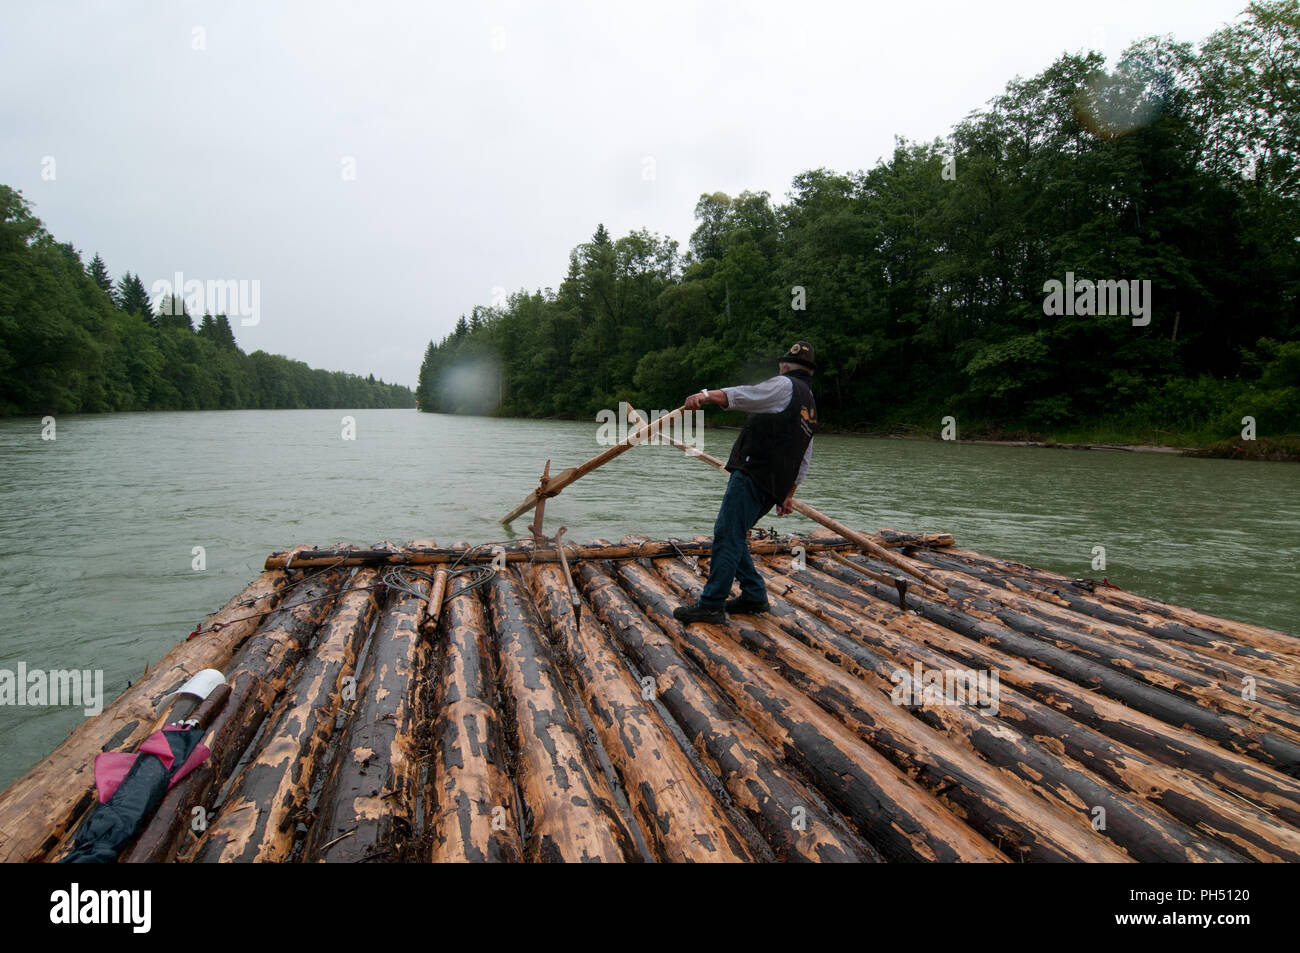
<point>380,168</point>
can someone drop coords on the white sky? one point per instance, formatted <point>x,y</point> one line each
<point>488,138</point>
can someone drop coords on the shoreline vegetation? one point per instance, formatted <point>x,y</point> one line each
<point>1150,440</point>
<point>72,340</point>
<point>1099,257</point>
<point>1284,449</point>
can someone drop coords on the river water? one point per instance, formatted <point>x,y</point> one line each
<point>98,527</point>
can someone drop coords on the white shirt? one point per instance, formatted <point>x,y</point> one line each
<point>770,397</point>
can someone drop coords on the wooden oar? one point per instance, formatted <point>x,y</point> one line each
<point>865,542</point>
<point>550,486</point>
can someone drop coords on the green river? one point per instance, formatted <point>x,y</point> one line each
<point>98,526</point>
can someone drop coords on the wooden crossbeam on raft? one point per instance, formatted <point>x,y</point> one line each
<point>320,558</point>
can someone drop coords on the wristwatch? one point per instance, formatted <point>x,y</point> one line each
<point>705,392</point>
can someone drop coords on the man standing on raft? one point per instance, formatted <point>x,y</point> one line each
<point>768,460</point>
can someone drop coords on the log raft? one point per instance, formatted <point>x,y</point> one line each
<point>538,702</point>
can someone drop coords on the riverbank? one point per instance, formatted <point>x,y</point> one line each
<point>1271,451</point>
<point>1284,449</point>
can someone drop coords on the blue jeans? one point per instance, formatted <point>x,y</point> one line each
<point>743,505</point>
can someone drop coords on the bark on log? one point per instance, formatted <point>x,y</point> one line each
<point>678,815</point>
<point>370,799</point>
<point>569,811</point>
<point>859,645</point>
<point>903,820</point>
<point>1276,794</point>
<point>789,816</point>
<point>473,815</point>
<point>1210,682</point>
<point>41,807</point>
<point>999,806</point>
<point>1229,730</point>
<point>1070,596</point>
<point>1260,636</point>
<point>268,797</point>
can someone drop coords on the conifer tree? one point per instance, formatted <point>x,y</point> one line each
<point>134,299</point>
<point>98,273</point>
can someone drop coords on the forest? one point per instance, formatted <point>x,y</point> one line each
<point>73,340</point>
<point>923,282</point>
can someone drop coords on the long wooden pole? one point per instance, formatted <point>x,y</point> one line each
<point>550,486</point>
<point>817,516</point>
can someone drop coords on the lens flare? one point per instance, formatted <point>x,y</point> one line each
<point>1109,106</point>
<point>473,386</point>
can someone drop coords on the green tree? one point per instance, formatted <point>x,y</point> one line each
<point>133,298</point>
<point>98,273</point>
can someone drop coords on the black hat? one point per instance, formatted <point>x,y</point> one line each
<point>801,352</point>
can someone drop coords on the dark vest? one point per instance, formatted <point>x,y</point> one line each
<point>771,446</point>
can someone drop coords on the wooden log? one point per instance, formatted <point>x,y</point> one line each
<point>790,816</point>
<point>39,809</point>
<point>678,815</point>
<point>896,538</point>
<point>907,639</point>
<point>279,643</point>
<point>1216,687</point>
<point>1229,730</point>
<point>1260,785</point>
<point>1261,636</point>
<point>569,811</point>
<point>270,794</point>
<point>1078,600</point>
<point>904,821</point>
<point>860,646</point>
<point>527,552</point>
<point>370,798</point>
<point>1004,810</point>
<point>473,815</point>
<point>555,484</point>
<point>1211,682</point>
